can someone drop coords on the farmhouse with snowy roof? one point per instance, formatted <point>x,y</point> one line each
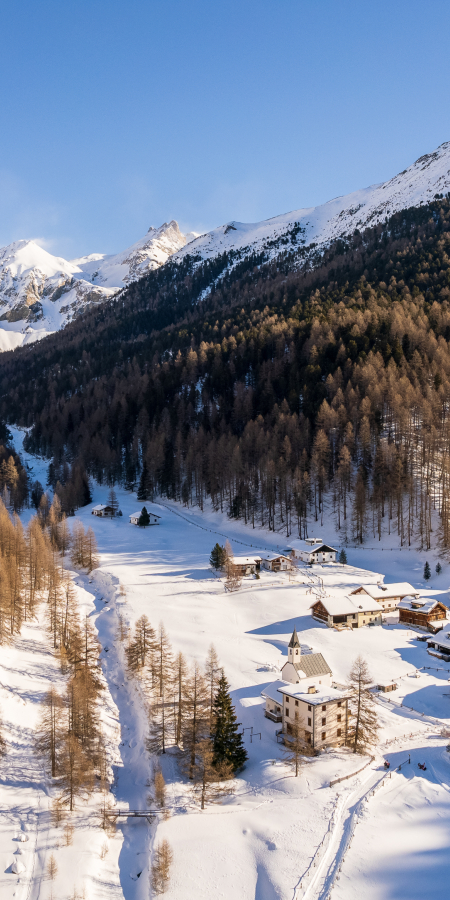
<point>439,644</point>
<point>346,612</point>
<point>275,562</point>
<point>103,511</point>
<point>134,518</point>
<point>246,565</point>
<point>387,595</point>
<point>313,550</point>
<point>422,612</point>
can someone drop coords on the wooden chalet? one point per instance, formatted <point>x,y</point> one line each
<point>422,612</point>
<point>103,511</point>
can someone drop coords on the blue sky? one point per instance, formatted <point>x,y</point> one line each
<point>120,115</point>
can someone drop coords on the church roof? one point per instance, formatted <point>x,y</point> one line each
<point>310,665</point>
<point>294,641</point>
<point>313,664</point>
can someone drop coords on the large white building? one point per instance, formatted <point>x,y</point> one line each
<point>313,550</point>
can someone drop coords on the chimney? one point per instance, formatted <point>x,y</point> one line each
<point>312,689</point>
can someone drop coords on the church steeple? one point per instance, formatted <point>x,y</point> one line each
<point>294,651</point>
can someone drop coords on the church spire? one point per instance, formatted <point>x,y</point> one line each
<point>294,651</point>
<point>294,641</point>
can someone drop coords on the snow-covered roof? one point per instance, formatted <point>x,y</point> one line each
<point>271,556</point>
<point>442,639</point>
<point>420,604</point>
<point>99,507</point>
<point>138,514</point>
<point>308,547</point>
<point>272,691</point>
<point>321,696</point>
<point>386,591</point>
<point>342,606</point>
<point>246,560</point>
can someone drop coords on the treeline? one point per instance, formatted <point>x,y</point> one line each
<point>30,564</point>
<point>282,393</point>
<point>32,572</point>
<point>69,736</point>
<point>188,707</point>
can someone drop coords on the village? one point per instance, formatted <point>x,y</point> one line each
<point>287,619</point>
<point>307,695</point>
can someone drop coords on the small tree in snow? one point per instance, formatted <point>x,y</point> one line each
<point>218,557</point>
<point>113,501</point>
<point>427,571</point>
<point>144,518</point>
<point>295,747</point>
<point>343,557</point>
<point>438,568</point>
<point>160,870</point>
<point>364,729</point>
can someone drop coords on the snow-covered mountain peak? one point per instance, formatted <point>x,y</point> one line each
<point>41,293</point>
<point>420,183</point>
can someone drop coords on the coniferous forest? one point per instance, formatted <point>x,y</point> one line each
<point>278,389</point>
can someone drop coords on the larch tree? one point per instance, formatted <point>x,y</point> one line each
<point>160,867</point>
<point>363,731</point>
<point>211,778</point>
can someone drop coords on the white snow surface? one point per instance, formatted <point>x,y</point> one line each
<point>419,183</point>
<point>262,842</point>
<point>30,275</point>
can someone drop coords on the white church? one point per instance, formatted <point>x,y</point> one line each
<point>306,698</point>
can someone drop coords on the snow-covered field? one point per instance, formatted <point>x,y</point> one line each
<point>264,840</point>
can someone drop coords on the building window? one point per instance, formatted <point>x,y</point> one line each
<point>339,702</point>
<point>324,707</point>
<point>287,699</point>
<point>338,732</point>
<point>309,708</point>
<point>309,722</point>
<point>308,738</point>
<point>296,702</point>
<point>324,721</point>
<point>287,711</point>
<point>324,735</point>
<point>339,718</point>
<point>278,709</point>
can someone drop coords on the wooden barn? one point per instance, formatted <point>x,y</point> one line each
<point>422,612</point>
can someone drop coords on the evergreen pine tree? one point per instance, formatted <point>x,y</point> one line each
<point>427,571</point>
<point>227,743</point>
<point>218,557</point>
<point>438,568</point>
<point>145,489</point>
<point>144,518</point>
<point>343,557</point>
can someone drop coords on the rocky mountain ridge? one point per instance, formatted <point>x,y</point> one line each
<point>41,293</point>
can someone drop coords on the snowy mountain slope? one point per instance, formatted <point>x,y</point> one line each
<point>41,293</point>
<point>149,253</point>
<point>428,176</point>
